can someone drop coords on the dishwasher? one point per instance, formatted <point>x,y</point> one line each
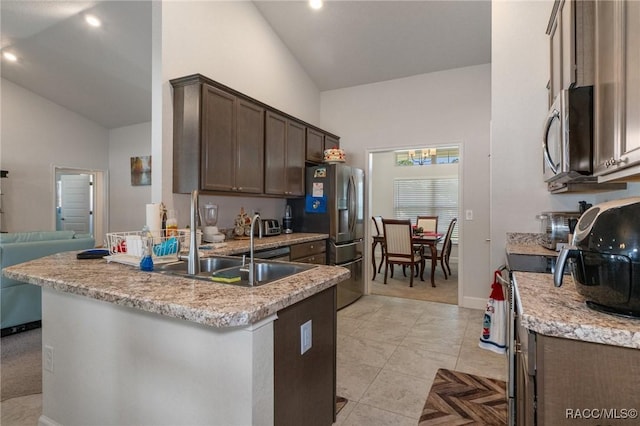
<point>279,253</point>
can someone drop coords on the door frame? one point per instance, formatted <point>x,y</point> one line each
<point>100,198</point>
<point>369,196</point>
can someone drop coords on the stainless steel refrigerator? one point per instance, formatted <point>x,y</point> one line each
<point>334,205</point>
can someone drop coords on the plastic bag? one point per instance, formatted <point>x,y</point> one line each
<point>494,323</point>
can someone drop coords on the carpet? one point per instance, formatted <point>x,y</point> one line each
<point>445,291</point>
<point>21,364</point>
<point>459,398</point>
<point>340,403</point>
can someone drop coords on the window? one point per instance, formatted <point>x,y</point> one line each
<point>427,197</point>
<point>428,156</point>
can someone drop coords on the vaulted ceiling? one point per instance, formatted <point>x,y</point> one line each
<point>104,73</point>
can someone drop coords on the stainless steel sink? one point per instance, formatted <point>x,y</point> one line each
<point>207,264</point>
<point>226,270</point>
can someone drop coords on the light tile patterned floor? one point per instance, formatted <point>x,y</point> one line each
<point>389,350</point>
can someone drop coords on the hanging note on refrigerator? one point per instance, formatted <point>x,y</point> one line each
<point>318,189</point>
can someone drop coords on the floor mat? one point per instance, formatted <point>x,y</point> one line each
<point>340,403</point>
<point>459,398</point>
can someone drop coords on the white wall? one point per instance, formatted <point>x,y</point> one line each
<point>36,136</point>
<point>438,108</point>
<point>231,43</point>
<point>127,203</point>
<point>520,71</point>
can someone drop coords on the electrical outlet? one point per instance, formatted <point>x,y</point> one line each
<point>468,214</point>
<point>305,337</point>
<point>48,358</point>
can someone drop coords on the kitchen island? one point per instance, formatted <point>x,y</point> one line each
<point>122,346</point>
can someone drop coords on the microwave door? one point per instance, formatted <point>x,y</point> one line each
<point>552,146</point>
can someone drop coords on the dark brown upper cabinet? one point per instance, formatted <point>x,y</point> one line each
<point>218,140</point>
<point>232,143</point>
<point>317,142</point>
<point>571,45</point>
<point>225,142</point>
<point>285,155</point>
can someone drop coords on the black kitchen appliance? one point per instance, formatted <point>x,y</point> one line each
<point>605,257</point>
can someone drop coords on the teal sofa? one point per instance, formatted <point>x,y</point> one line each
<point>21,303</point>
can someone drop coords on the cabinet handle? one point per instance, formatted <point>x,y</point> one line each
<point>613,162</point>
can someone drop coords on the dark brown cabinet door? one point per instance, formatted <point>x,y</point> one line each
<point>275,156</point>
<point>249,147</point>
<point>284,156</point>
<point>232,143</point>
<point>330,142</point>
<point>295,158</point>
<point>315,146</point>
<point>305,384</point>
<point>218,140</point>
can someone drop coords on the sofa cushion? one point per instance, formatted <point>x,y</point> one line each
<point>27,237</point>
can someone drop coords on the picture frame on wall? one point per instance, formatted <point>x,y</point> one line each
<point>141,170</point>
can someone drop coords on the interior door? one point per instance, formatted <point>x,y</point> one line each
<point>75,203</point>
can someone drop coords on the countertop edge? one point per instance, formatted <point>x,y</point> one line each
<point>561,312</point>
<point>212,304</point>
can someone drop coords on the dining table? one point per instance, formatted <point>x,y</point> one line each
<point>428,239</point>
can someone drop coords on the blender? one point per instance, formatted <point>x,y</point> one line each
<point>208,220</point>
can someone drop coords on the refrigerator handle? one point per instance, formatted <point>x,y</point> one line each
<point>351,195</point>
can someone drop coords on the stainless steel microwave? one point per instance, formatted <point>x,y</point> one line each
<point>567,149</point>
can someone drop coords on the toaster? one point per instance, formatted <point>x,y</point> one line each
<point>605,257</point>
<point>269,227</point>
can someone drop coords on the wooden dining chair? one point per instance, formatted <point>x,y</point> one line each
<point>399,248</point>
<point>379,227</point>
<point>427,223</point>
<point>444,253</point>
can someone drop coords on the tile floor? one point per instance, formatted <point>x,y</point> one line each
<point>389,350</point>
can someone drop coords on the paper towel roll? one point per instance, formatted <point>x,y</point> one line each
<point>154,219</point>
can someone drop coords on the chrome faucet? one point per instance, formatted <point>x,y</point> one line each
<point>193,261</point>
<point>251,268</point>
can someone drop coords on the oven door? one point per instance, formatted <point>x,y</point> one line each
<point>552,151</point>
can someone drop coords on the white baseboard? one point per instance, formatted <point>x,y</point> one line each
<point>473,303</point>
<point>46,421</point>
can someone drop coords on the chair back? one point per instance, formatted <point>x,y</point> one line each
<point>446,245</point>
<point>377,223</point>
<point>397,234</point>
<point>427,223</point>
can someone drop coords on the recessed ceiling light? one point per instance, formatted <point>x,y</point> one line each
<point>10,56</point>
<point>92,20</point>
<point>315,4</point>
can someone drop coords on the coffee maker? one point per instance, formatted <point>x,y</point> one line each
<point>287,221</point>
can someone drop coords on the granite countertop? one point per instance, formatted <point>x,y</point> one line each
<point>528,244</point>
<point>562,312</point>
<point>207,303</point>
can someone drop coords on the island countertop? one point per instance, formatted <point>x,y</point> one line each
<point>562,312</point>
<point>207,303</point>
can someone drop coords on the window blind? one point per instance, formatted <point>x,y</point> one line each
<point>427,197</point>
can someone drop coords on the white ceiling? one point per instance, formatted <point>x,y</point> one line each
<point>348,43</point>
<point>105,74</point>
<point>101,73</point>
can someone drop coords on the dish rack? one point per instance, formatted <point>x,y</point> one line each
<point>129,247</point>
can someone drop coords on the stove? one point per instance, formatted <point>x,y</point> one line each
<point>531,263</point>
